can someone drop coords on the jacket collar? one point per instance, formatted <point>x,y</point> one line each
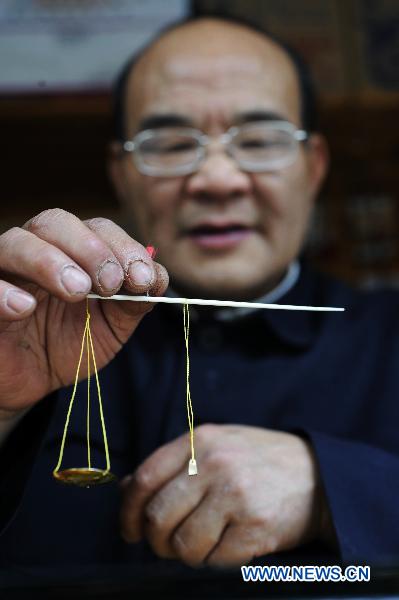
<point>298,328</point>
<point>286,284</point>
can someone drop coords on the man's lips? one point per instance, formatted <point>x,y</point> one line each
<point>219,236</point>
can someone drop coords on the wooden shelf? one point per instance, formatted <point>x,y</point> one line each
<point>52,105</point>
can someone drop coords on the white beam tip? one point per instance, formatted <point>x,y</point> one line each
<point>192,467</point>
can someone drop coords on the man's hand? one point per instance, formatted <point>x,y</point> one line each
<point>47,267</point>
<point>257,492</point>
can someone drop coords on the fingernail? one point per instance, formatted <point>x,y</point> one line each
<point>74,281</point>
<point>110,276</point>
<point>18,301</point>
<point>140,273</point>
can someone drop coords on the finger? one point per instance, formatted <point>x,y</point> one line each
<point>142,275</point>
<point>34,260</point>
<point>15,304</point>
<point>163,465</point>
<point>201,531</point>
<point>168,508</point>
<point>139,270</point>
<point>237,546</point>
<point>161,281</point>
<point>123,317</point>
<point>66,232</point>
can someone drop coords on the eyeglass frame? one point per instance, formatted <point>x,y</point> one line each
<point>131,146</point>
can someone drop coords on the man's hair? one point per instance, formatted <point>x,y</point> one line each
<point>308,104</point>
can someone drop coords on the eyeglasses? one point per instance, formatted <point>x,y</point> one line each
<point>256,147</point>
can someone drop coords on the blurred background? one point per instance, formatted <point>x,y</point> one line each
<point>58,59</point>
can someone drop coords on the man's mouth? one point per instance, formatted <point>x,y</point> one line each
<point>225,236</point>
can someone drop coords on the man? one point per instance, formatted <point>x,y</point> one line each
<point>296,414</point>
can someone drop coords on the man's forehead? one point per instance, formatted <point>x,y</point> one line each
<point>171,75</point>
<point>215,71</point>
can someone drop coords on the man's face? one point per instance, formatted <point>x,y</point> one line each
<point>221,232</point>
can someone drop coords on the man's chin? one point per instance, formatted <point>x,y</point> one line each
<point>246,272</point>
<point>223,289</point>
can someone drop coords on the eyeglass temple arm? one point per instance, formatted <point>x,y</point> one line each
<point>301,135</point>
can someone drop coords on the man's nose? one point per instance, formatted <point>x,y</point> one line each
<point>219,177</point>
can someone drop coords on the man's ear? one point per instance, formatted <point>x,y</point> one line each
<point>115,169</point>
<point>318,161</point>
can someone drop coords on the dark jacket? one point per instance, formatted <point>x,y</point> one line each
<point>330,377</point>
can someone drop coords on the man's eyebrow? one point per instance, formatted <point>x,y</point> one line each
<point>258,115</point>
<point>165,120</point>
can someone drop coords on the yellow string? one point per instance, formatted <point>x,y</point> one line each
<point>88,391</point>
<point>108,463</point>
<point>71,402</point>
<point>190,415</point>
<point>86,339</point>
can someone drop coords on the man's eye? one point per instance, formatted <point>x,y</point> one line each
<point>183,146</point>
<point>165,146</point>
<point>253,144</point>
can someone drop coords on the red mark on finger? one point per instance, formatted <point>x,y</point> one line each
<point>152,251</point>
